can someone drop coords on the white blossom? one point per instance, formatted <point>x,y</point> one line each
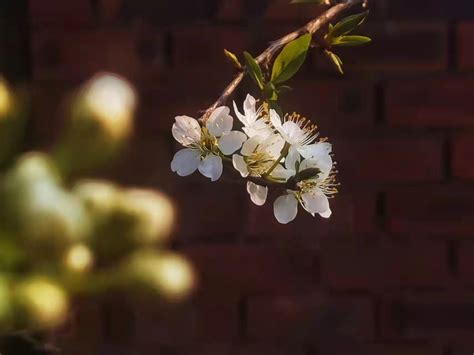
<point>299,133</point>
<point>311,193</point>
<point>254,124</point>
<point>205,145</point>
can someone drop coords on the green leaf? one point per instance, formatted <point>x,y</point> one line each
<point>233,59</point>
<point>254,70</point>
<point>290,59</point>
<point>348,24</point>
<point>270,91</point>
<point>336,60</point>
<point>308,1</point>
<point>348,41</point>
<point>310,173</point>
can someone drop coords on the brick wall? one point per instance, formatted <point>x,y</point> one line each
<point>390,273</point>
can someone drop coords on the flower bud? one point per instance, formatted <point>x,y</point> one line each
<point>101,122</point>
<point>168,274</point>
<point>36,208</point>
<point>79,258</point>
<point>152,212</point>
<point>44,302</point>
<point>5,302</point>
<point>6,99</point>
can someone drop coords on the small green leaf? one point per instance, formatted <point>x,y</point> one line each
<point>290,59</point>
<point>308,1</point>
<point>348,41</point>
<point>254,70</point>
<point>270,91</point>
<point>348,24</point>
<point>336,60</point>
<point>310,173</point>
<point>233,59</point>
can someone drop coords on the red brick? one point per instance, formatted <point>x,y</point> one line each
<point>200,48</point>
<point>305,319</point>
<point>208,211</point>
<point>177,93</point>
<point>230,10</point>
<point>84,330</point>
<point>77,55</point>
<point>396,47</point>
<point>407,159</point>
<point>336,106</point>
<point>238,348</point>
<point>466,51</point>
<point>229,271</point>
<point>383,266</point>
<point>431,210</point>
<point>443,318</point>
<point>381,348</point>
<point>463,153</point>
<point>440,102</point>
<point>465,263</point>
<point>184,324</point>
<point>353,217</point>
<point>60,13</point>
<point>282,10</point>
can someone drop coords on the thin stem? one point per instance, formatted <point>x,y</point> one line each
<point>283,154</point>
<point>267,55</point>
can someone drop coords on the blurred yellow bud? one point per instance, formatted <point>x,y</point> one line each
<point>35,166</point>
<point>168,274</point>
<point>35,207</point>
<point>101,122</point>
<point>5,301</point>
<point>111,100</point>
<point>6,100</point>
<point>100,197</point>
<point>153,213</point>
<point>45,303</point>
<point>79,258</point>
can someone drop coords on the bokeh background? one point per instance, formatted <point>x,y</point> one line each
<point>392,271</point>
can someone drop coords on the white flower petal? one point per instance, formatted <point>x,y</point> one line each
<point>231,142</point>
<point>281,173</point>
<point>285,208</point>
<point>323,163</point>
<point>250,145</point>
<point>315,201</point>
<point>241,117</point>
<point>273,145</point>
<point>326,214</point>
<point>258,194</point>
<point>275,120</point>
<point>211,167</point>
<point>316,150</point>
<point>292,132</point>
<point>185,161</point>
<point>220,122</point>
<point>291,159</point>
<point>249,109</point>
<point>240,165</point>
<point>186,130</point>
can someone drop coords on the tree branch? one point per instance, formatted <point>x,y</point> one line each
<point>267,55</point>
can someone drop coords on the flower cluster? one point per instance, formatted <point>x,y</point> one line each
<point>270,150</point>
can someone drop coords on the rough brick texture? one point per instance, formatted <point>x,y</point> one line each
<point>391,272</point>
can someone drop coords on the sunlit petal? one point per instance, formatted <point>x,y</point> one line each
<point>285,208</point>
<point>231,142</point>
<point>186,130</point>
<point>258,194</point>
<point>240,165</point>
<point>315,201</point>
<point>185,162</point>
<point>220,122</point>
<point>211,167</point>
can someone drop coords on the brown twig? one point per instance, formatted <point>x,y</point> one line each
<point>268,54</point>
